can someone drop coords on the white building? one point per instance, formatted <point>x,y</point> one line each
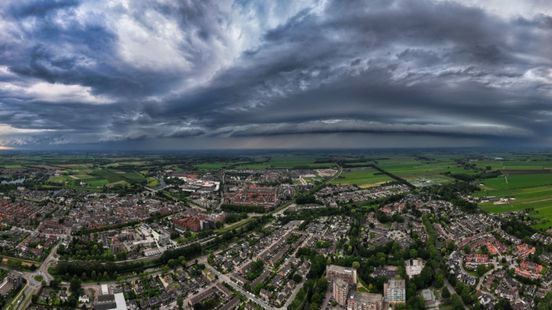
<point>414,267</point>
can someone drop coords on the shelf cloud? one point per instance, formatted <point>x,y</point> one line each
<point>273,74</point>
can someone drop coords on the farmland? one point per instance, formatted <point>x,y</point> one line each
<point>529,191</point>
<point>526,183</point>
<point>517,162</point>
<point>423,171</point>
<point>363,177</point>
<point>97,178</point>
<point>269,162</point>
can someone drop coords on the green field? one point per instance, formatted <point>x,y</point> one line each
<point>423,172</point>
<point>152,182</point>
<point>516,162</point>
<point>268,162</point>
<point>287,161</point>
<point>363,177</point>
<point>212,165</point>
<point>93,179</point>
<point>530,191</point>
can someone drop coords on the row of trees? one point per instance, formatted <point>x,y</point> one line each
<point>311,295</point>
<point>97,270</point>
<point>243,209</point>
<point>101,270</point>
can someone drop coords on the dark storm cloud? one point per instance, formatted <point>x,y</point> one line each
<point>85,72</point>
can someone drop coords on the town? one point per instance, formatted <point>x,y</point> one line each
<point>331,232</point>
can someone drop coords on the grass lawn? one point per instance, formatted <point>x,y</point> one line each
<point>152,182</point>
<point>95,183</point>
<point>58,179</point>
<point>117,184</point>
<point>235,225</point>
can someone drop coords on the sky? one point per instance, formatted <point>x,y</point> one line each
<point>222,74</point>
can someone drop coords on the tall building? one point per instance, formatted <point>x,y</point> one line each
<point>348,275</point>
<point>364,301</point>
<point>342,280</point>
<point>340,291</point>
<point>394,291</point>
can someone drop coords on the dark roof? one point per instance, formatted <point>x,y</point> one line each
<point>105,302</point>
<point>105,306</point>
<point>106,298</point>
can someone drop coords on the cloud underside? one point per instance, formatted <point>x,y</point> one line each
<point>247,74</point>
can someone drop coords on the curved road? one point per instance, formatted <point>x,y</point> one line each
<point>22,300</point>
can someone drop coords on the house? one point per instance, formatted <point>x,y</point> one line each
<point>84,299</point>
<point>524,250</point>
<point>473,260</point>
<point>414,267</point>
<point>429,299</point>
<point>63,296</point>
<point>529,270</point>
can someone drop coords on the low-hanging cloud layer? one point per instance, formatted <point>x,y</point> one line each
<point>275,74</point>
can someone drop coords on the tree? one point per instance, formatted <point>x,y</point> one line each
<point>54,284</point>
<point>72,301</point>
<point>75,286</point>
<point>356,265</point>
<point>504,304</point>
<point>445,293</point>
<point>481,269</point>
<point>439,280</point>
<point>456,302</point>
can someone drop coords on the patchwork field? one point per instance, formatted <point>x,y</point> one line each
<point>290,161</point>
<point>516,163</point>
<point>268,162</point>
<point>363,177</point>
